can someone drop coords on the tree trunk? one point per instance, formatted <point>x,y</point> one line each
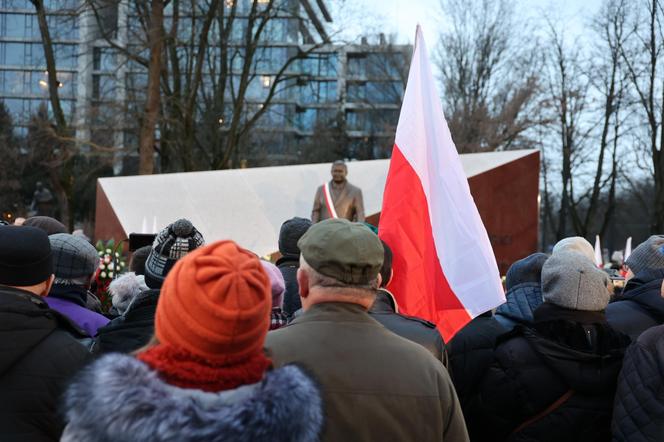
<point>149,123</point>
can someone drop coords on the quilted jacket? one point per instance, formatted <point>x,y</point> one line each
<point>638,413</point>
<point>641,305</point>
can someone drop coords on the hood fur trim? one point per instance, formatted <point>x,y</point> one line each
<point>118,398</point>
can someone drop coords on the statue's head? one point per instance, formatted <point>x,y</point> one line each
<point>339,171</point>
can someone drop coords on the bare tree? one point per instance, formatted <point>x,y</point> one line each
<point>642,56</point>
<point>489,75</point>
<point>567,101</point>
<point>211,58</point>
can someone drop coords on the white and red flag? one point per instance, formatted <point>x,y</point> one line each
<point>444,267</point>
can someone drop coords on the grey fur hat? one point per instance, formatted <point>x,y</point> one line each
<point>575,244</point>
<point>571,281</point>
<point>649,255</point>
<point>124,289</point>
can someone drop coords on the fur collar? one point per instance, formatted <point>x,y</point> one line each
<point>118,398</point>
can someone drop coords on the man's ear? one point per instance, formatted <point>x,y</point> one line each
<point>303,283</point>
<point>47,287</point>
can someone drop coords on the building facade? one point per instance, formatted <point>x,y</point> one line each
<point>316,100</point>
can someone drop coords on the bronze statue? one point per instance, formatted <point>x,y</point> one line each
<point>338,198</point>
<point>42,201</point>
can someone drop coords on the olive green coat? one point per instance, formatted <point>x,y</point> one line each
<point>376,385</point>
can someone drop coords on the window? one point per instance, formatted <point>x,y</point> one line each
<point>103,59</point>
<point>103,87</point>
<point>356,66</point>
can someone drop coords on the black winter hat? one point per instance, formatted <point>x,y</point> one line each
<point>49,225</point>
<point>528,269</point>
<point>171,244</point>
<point>290,233</point>
<point>25,256</point>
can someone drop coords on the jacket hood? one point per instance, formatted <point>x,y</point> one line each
<point>25,321</point>
<point>522,300</point>
<point>644,290</point>
<point>118,395</point>
<point>583,371</point>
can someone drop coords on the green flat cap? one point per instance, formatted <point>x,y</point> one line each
<point>340,249</point>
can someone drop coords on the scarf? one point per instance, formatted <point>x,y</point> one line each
<point>183,369</point>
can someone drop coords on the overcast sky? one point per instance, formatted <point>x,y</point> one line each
<point>401,16</point>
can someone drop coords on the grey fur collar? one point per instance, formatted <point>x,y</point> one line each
<point>118,398</point>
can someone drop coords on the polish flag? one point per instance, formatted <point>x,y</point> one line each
<point>598,253</point>
<point>444,267</point>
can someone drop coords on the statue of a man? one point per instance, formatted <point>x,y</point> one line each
<point>338,198</point>
<point>42,201</point>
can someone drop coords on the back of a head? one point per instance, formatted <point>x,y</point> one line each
<point>571,281</point>
<point>172,243</point>
<point>138,258</point>
<point>347,252</point>
<point>290,233</point>
<point>49,225</point>
<point>575,244</point>
<point>526,270</point>
<point>386,269</point>
<point>25,256</point>
<point>277,283</point>
<point>648,256</point>
<point>74,259</point>
<point>215,304</point>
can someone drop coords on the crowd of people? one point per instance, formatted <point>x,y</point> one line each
<point>208,342</point>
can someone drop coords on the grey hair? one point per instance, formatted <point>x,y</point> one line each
<point>340,163</point>
<point>316,279</point>
<point>82,281</point>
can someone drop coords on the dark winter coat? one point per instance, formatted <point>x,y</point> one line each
<point>377,386</point>
<point>133,329</point>
<point>414,329</point>
<point>38,356</point>
<point>565,352</point>
<point>470,353</point>
<point>288,266</point>
<point>119,398</point>
<point>522,300</point>
<point>638,414</point>
<point>640,306</point>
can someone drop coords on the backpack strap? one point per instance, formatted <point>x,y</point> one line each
<point>550,409</point>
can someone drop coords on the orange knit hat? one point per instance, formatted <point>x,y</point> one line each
<point>215,303</point>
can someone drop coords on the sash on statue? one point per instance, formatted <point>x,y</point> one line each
<point>328,201</point>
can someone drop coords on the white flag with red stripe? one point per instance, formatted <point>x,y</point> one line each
<point>444,267</point>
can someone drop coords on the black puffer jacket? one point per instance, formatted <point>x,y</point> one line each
<point>470,353</point>
<point>638,414</point>
<point>565,352</point>
<point>414,329</point>
<point>640,306</point>
<point>38,357</point>
<point>133,329</point>
<point>288,266</point>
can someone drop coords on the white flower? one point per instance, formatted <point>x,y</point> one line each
<point>110,266</point>
<point>110,274</point>
<point>117,255</point>
<point>122,264</point>
<point>103,274</point>
<point>109,251</point>
<point>101,253</point>
<point>102,266</point>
